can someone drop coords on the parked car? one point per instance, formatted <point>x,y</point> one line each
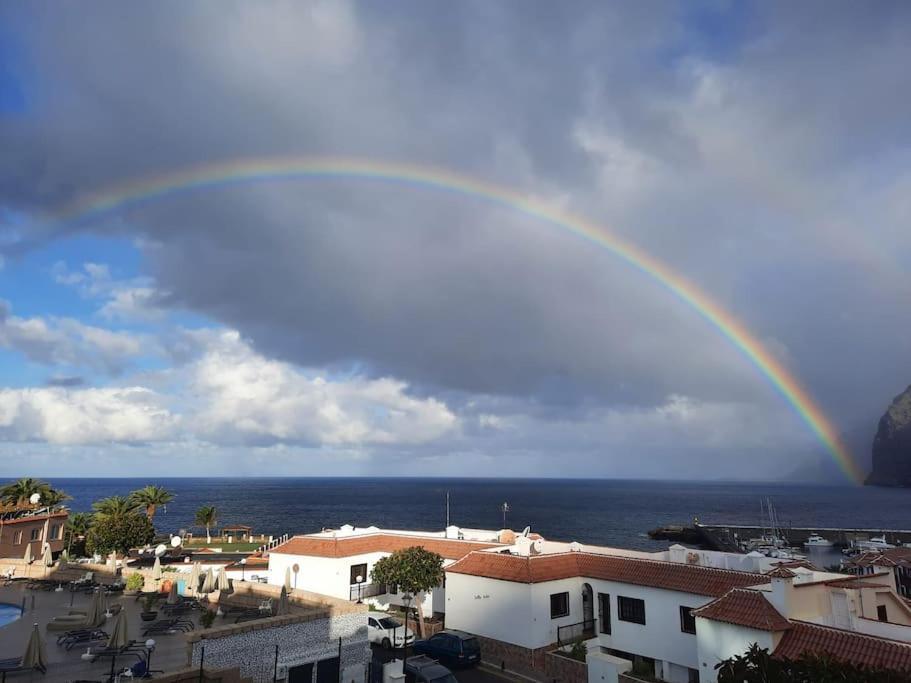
<point>423,669</point>
<point>386,631</point>
<point>452,648</point>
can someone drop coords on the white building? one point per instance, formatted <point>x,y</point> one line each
<point>330,562</point>
<point>681,619</point>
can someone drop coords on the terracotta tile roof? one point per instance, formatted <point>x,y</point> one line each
<point>780,573</point>
<point>668,575</point>
<point>888,557</point>
<point>348,546</point>
<point>795,564</point>
<point>744,608</point>
<point>848,646</point>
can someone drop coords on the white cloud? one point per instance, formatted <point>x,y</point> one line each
<point>246,397</point>
<point>65,341</point>
<point>84,416</point>
<point>133,299</point>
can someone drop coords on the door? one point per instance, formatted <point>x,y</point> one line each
<point>588,605</point>
<point>604,612</point>
<point>327,671</point>
<point>301,674</point>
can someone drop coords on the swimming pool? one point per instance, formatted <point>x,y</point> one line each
<point>8,614</point>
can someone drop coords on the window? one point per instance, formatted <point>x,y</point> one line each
<point>559,605</point>
<point>392,589</point>
<point>604,612</point>
<point>17,538</point>
<point>687,620</point>
<point>631,609</point>
<point>36,534</point>
<point>692,676</point>
<point>358,570</point>
<point>54,533</point>
<point>882,613</point>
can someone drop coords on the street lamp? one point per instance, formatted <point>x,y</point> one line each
<point>360,582</point>
<point>150,648</point>
<point>243,565</point>
<point>406,600</point>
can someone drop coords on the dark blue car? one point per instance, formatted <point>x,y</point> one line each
<point>452,648</point>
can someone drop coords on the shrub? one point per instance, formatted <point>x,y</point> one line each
<point>119,534</point>
<point>135,582</point>
<point>207,618</point>
<point>579,651</point>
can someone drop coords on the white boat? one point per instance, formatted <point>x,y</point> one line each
<point>817,541</point>
<point>875,543</point>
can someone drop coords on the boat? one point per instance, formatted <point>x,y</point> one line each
<point>817,541</point>
<point>875,543</point>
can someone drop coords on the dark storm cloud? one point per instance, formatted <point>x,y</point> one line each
<point>727,161</point>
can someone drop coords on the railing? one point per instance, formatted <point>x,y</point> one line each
<point>265,547</point>
<point>573,633</point>
<point>366,590</point>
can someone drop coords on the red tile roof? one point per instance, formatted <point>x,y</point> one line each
<point>668,575</point>
<point>450,549</point>
<point>780,573</point>
<point>744,608</point>
<point>888,557</point>
<point>848,646</point>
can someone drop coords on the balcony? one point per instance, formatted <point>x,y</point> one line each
<point>366,590</point>
<point>574,633</point>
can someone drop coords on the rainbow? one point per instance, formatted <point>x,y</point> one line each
<point>147,189</point>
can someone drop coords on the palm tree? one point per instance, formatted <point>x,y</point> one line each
<point>19,492</point>
<point>207,516</point>
<point>150,498</point>
<point>115,507</point>
<point>77,526</point>
<point>54,497</point>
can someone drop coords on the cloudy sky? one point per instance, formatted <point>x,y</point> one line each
<point>348,326</point>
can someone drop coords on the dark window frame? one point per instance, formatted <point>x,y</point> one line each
<point>687,620</point>
<point>356,570</point>
<point>631,610</point>
<point>604,620</point>
<point>564,596</point>
<point>882,613</point>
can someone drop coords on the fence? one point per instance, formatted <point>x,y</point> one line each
<point>366,590</point>
<point>573,633</point>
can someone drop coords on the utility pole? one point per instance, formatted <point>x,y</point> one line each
<point>447,509</point>
<point>504,508</point>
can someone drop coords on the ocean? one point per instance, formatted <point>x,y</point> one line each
<point>603,512</point>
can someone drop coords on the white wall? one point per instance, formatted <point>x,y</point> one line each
<point>717,641</point>
<point>487,607</point>
<point>660,638</point>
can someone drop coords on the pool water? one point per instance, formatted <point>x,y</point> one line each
<point>8,614</point>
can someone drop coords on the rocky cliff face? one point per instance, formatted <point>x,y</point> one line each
<point>892,445</point>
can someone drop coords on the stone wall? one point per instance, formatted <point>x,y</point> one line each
<point>299,639</point>
<point>515,658</point>
<point>564,669</point>
<point>208,676</point>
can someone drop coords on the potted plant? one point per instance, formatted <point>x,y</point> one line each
<point>149,613</point>
<point>134,584</point>
<point>207,618</point>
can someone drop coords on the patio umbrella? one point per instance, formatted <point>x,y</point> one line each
<point>222,582</point>
<point>282,608</point>
<point>120,634</point>
<point>35,656</point>
<point>156,570</point>
<point>112,563</point>
<point>48,558</point>
<point>95,615</point>
<point>288,578</point>
<point>28,553</point>
<point>172,594</point>
<point>194,578</point>
<point>209,584</point>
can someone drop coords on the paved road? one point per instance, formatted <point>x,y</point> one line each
<point>473,675</point>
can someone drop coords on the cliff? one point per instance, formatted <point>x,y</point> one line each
<point>892,445</point>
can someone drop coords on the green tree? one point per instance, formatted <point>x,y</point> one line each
<point>55,497</point>
<point>207,516</point>
<point>758,666</point>
<point>19,492</point>
<point>149,498</point>
<point>115,507</point>
<point>414,570</point>
<point>118,534</point>
<point>77,526</point>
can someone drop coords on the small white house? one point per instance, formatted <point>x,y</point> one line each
<point>339,562</point>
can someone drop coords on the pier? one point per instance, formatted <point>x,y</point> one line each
<point>727,537</point>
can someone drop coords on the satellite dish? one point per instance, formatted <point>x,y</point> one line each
<point>526,531</point>
<point>34,498</point>
<point>575,547</point>
<point>160,549</point>
<point>176,541</point>
<point>538,545</point>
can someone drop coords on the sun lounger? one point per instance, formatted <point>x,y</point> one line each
<point>81,636</point>
<point>135,649</point>
<point>168,626</point>
<point>8,666</point>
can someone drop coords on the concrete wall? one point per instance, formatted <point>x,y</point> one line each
<point>563,669</point>
<point>9,534</point>
<point>605,668</point>
<point>501,610</point>
<point>717,641</point>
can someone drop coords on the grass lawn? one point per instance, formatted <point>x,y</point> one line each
<point>226,547</point>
